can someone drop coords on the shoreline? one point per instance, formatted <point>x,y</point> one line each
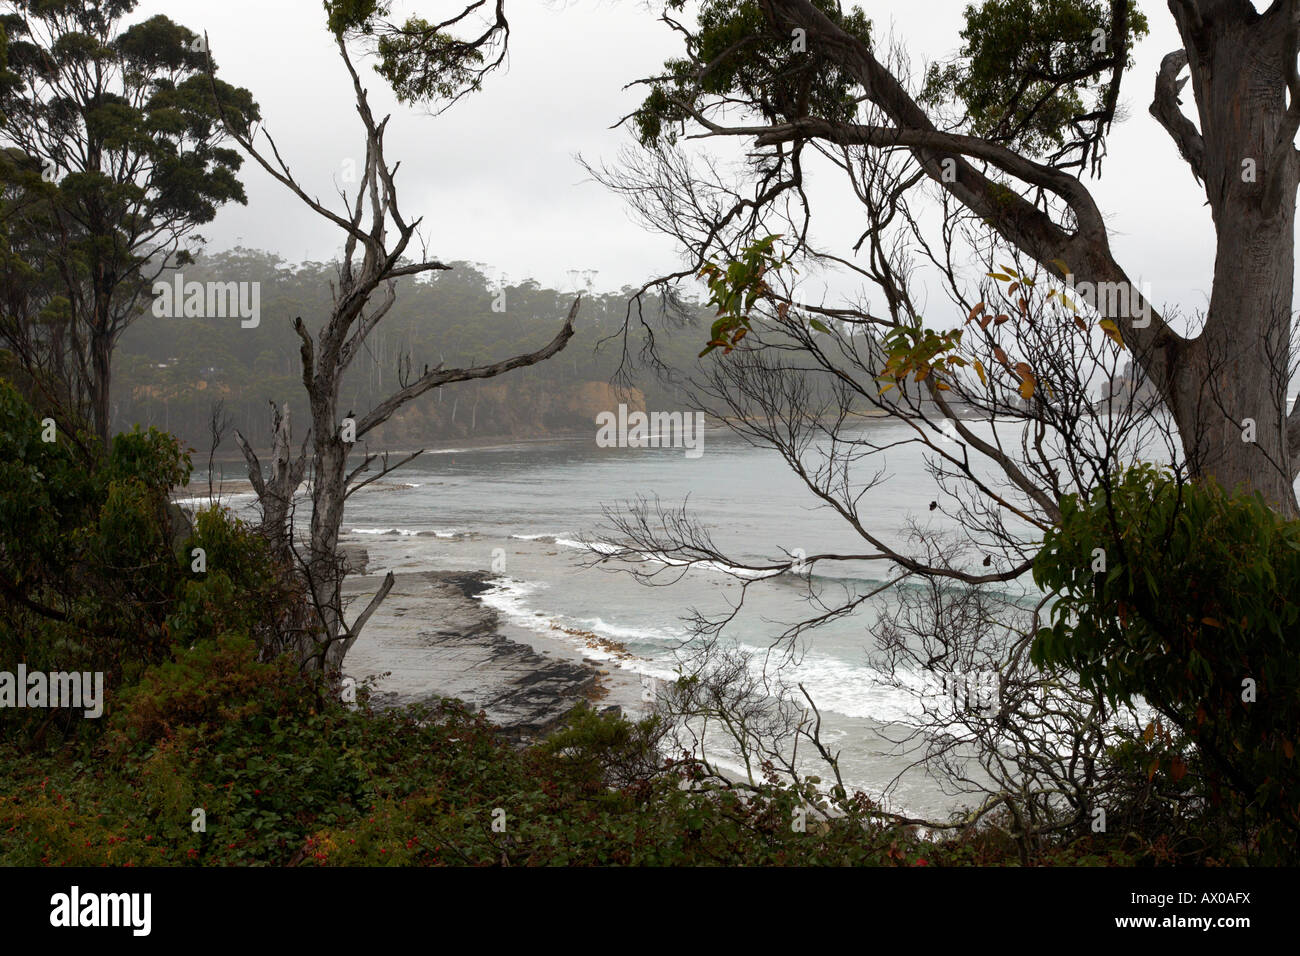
<point>482,442</point>
<point>432,637</point>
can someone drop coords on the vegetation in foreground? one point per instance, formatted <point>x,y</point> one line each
<point>203,714</point>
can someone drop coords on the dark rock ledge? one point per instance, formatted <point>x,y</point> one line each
<point>433,639</point>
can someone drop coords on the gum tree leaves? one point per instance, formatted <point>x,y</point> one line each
<point>1039,75</point>
<point>735,287</point>
<point>738,55</point>
<point>427,62</point>
<point>920,353</point>
<point>1197,598</point>
<point>1027,379</point>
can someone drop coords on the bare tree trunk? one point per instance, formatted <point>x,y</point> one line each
<point>275,495</point>
<point>1229,390</point>
<point>329,490</point>
<point>368,264</point>
<point>101,357</point>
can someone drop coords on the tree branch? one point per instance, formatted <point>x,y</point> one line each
<point>432,379</point>
<point>254,466</point>
<point>1018,221</point>
<point>354,631</point>
<point>1164,107</point>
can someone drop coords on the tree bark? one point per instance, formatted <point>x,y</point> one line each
<point>275,494</point>
<point>1228,392</point>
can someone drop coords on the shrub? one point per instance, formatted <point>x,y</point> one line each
<point>1194,613</point>
<point>90,576</point>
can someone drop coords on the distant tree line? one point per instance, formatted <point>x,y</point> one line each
<point>172,370</point>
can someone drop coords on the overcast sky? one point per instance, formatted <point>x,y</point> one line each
<point>496,177</point>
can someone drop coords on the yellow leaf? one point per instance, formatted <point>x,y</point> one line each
<point>941,386</point>
<point>1027,388</point>
<point>979,369</point>
<point>1112,330</point>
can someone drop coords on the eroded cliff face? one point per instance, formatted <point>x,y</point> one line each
<point>507,409</point>
<point>592,398</point>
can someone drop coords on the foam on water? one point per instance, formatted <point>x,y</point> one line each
<point>407,532</point>
<point>599,547</point>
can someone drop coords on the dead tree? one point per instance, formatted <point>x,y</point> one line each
<point>377,240</point>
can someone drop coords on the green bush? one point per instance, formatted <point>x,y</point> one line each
<point>91,575</point>
<point>85,565</point>
<point>1195,613</point>
<point>288,775</point>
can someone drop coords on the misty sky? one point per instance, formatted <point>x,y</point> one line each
<point>496,177</point>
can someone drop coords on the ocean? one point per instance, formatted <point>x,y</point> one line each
<point>534,514</point>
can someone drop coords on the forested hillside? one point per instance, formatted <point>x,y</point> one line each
<point>171,371</point>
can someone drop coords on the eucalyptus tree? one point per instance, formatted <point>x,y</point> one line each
<point>115,158</point>
<point>1011,130</point>
<point>975,177</point>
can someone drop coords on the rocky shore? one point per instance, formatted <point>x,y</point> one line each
<point>431,638</point>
